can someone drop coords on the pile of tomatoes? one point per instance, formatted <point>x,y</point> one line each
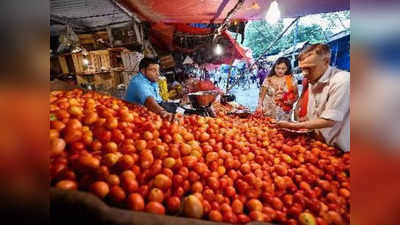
<point>220,169</point>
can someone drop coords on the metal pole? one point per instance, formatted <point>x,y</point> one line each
<point>294,43</point>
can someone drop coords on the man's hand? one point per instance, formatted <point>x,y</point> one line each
<point>286,124</point>
<point>166,115</point>
<point>259,109</point>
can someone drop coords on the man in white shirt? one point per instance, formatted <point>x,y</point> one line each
<point>328,108</point>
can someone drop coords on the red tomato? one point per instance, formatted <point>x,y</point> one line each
<point>254,205</point>
<point>67,185</point>
<point>256,216</point>
<point>215,215</point>
<point>99,188</point>
<point>204,137</point>
<point>197,187</point>
<point>141,145</point>
<point>125,162</point>
<point>130,185</point>
<point>213,183</point>
<point>173,204</point>
<point>230,191</point>
<point>226,208</point>
<point>117,194</point>
<point>243,218</point>
<point>113,179</point>
<point>230,217</point>
<point>237,206</point>
<point>162,182</point>
<point>156,195</point>
<point>155,207</point>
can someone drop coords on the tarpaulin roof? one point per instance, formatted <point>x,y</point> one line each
<point>240,52</point>
<point>207,11</point>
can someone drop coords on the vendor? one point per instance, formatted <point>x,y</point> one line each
<point>143,88</point>
<point>328,107</point>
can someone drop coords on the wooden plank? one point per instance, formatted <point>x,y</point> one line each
<point>63,63</point>
<point>94,62</point>
<point>76,58</point>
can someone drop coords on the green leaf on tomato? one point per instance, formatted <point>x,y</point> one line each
<point>53,117</point>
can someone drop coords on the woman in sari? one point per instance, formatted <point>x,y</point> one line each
<point>278,92</point>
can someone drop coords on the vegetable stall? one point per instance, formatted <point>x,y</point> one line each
<point>113,162</point>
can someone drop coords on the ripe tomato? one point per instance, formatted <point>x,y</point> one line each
<point>197,187</point>
<point>162,182</point>
<point>67,185</point>
<point>155,207</point>
<point>204,137</point>
<point>113,179</point>
<point>141,145</point>
<point>215,215</point>
<point>230,191</point>
<point>146,159</point>
<point>169,162</point>
<point>57,146</point>
<point>254,205</point>
<point>125,162</point>
<point>237,206</point>
<point>99,188</point>
<point>243,218</point>
<point>276,203</point>
<point>147,135</point>
<point>156,195</point>
<point>117,194</point>
<point>230,217</point>
<point>226,208</point>
<point>173,204</point>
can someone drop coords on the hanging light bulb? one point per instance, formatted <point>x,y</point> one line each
<point>218,49</point>
<point>273,13</point>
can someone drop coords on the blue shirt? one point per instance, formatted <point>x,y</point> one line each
<point>140,88</point>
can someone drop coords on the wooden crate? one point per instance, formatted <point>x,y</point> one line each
<point>89,40</point>
<point>107,80</point>
<point>63,64</point>
<point>78,63</point>
<point>84,80</point>
<point>99,61</point>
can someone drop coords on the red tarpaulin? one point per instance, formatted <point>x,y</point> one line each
<point>205,11</point>
<point>191,30</point>
<point>162,36</point>
<point>240,52</point>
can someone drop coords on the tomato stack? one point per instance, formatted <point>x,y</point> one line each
<point>220,169</point>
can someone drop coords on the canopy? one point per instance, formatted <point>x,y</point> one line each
<point>214,11</point>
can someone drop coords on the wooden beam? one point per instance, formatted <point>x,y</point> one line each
<point>73,23</point>
<point>227,19</point>
<point>119,5</point>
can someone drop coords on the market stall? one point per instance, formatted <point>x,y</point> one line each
<point>113,162</point>
<point>130,158</point>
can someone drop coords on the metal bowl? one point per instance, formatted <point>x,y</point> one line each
<point>202,98</point>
